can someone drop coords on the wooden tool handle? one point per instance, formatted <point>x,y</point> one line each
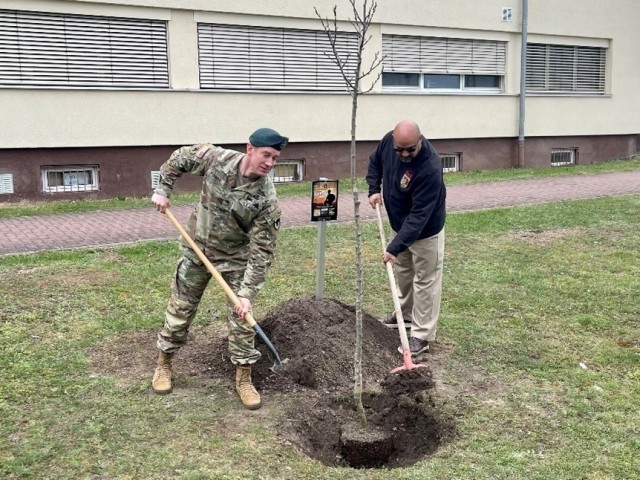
<point>223,284</point>
<point>392,284</point>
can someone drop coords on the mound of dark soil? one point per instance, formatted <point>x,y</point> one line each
<point>317,337</point>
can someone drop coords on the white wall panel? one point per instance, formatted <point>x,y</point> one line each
<point>35,118</point>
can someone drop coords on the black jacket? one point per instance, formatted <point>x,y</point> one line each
<point>413,192</point>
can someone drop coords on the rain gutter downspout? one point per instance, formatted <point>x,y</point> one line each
<point>523,81</point>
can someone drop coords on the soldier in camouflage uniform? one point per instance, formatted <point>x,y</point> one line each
<point>235,224</point>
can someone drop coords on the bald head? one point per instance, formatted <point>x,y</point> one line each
<point>406,135</point>
<point>407,129</point>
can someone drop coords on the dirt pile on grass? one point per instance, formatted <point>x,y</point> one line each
<point>318,339</point>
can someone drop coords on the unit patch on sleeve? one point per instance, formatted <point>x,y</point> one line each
<point>202,150</point>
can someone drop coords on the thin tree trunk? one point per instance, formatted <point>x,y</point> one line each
<point>357,390</point>
<point>361,23</point>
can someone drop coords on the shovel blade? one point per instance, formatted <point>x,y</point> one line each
<point>276,356</point>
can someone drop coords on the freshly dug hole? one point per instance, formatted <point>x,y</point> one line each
<point>365,447</point>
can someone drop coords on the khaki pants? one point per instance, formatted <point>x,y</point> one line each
<point>419,274</point>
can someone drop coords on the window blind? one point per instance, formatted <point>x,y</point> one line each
<point>260,58</point>
<point>565,68</point>
<point>41,49</point>
<point>443,55</point>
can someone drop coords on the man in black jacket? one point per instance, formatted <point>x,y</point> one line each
<point>409,170</point>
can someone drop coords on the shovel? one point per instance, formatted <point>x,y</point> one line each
<point>406,353</point>
<point>227,290</point>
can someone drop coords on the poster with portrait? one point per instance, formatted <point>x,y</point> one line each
<point>324,200</point>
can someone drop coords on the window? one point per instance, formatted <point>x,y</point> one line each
<point>50,49</point>
<point>235,57</point>
<point>482,81</point>
<point>71,178</point>
<point>401,79</point>
<point>289,171</point>
<point>566,69</point>
<point>450,162</point>
<point>432,81</point>
<point>6,183</point>
<point>443,64</point>
<point>563,156</point>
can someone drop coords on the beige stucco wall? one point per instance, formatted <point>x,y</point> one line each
<point>58,117</point>
<point>104,118</point>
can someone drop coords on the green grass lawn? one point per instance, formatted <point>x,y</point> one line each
<point>28,208</point>
<point>538,355</point>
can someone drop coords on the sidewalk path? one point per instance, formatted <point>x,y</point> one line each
<point>92,229</point>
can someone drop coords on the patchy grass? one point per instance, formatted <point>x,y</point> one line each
<point>618,165</point>
<point>538,356</point>
<point>30,208</point>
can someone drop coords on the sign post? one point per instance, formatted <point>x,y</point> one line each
<point>324,206</point>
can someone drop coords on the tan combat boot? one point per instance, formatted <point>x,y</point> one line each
<point>248,394</point>
<point>162,377</point>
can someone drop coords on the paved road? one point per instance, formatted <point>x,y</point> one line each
<point>75,230</point>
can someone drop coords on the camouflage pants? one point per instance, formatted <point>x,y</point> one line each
<point>188,285</point>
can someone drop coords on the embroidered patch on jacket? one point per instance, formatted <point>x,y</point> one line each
<point>202,150</point>
<point>406,178</point>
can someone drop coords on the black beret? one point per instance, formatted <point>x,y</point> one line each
<point>266,137</point>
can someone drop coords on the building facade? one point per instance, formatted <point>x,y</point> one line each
<point>96,95</point>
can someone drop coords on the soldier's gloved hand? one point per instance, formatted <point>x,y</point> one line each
<point>161,202</point>
<point>244,307</point>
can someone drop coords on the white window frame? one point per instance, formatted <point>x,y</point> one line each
<point>566,69</point>
<point>82,51</point>
<point>70,179</point>
<point>296,168</point>
<point>571,154</point>
<point>421,56</point>
<point>6,183</point>
<point>422,84</point>
<point>456,162</point>
<point>251,58</point>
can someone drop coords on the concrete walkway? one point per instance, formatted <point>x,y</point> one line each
<point>93,229</point>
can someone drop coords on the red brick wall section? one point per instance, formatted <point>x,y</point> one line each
<point>126,171</point>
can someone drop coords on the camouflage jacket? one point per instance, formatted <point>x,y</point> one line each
<point>235,226</point>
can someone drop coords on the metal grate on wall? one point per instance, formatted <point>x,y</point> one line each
<point>563,156</point>
<point>50,49</point>
<point>566,69</point>
<point>404,53</point>
<point>70,178</point>
<point>6,183</point>
<point>239,57</point>
<point>288,171</point>
<point>450,162</point>
<point>155,178</point>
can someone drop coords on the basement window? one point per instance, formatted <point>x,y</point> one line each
<point>563,156</point>
<point>450,162</point>
<point>288,171</point>
<point>70,178</point>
